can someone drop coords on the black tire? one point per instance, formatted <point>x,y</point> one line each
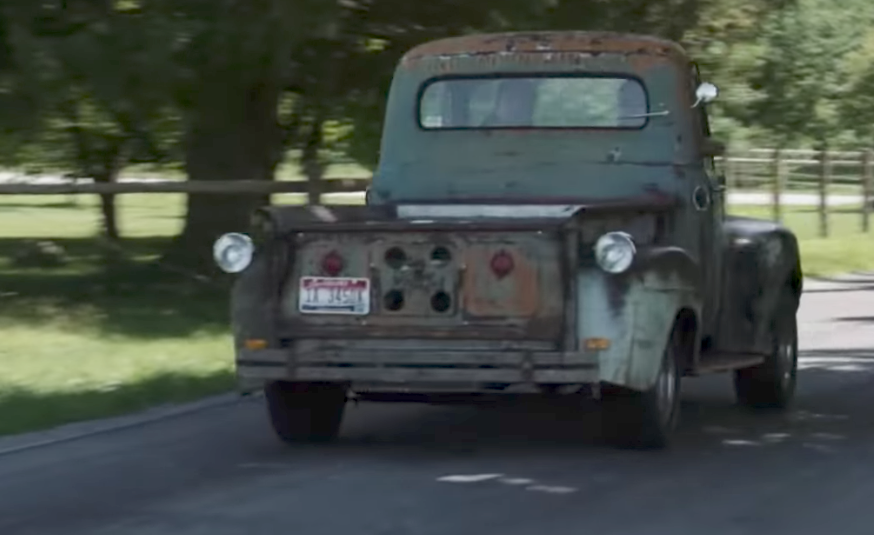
<point>305,412</point>
<point>772,384</point>
<point>646,420</point>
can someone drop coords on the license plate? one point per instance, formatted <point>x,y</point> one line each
<point>334,295</point>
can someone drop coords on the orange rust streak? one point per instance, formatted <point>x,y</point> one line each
<point>484,295</point>
<point>526,297</point>
<point>595,42</point>
<point>640,63</point>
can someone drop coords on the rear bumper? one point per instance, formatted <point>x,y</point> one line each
<point>420,370</point>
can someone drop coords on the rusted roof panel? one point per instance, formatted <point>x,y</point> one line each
<point>547,42</point>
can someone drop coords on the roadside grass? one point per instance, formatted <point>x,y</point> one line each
<point>89,339</point>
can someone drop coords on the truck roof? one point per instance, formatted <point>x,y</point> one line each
<point>547,42</point>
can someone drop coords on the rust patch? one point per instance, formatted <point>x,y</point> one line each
<point>396,328</point>
<point>643,62</point>
<point>485,294</point>
<point>287,220</point>
<point>546,42</point>
<point>640,62</point>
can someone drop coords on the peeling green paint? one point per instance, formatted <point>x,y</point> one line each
<point>639,330</point>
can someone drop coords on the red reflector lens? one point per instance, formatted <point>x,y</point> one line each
<point>502,264</point>
<point>332,264</point>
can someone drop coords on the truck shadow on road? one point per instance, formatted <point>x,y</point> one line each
<point>832,411</point>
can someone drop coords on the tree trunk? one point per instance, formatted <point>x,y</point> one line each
<point>233,134</point>
<point>313,167</point>
<point>112,167</point>
<point>110,223</point>
<point>112,159</point>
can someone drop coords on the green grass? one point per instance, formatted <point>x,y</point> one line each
<point>83,344</point>
<point>85,340</point>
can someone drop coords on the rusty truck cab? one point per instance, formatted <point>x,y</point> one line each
<point>598,116</point>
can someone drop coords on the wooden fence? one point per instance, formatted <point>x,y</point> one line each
<point>826,174</point>
<point>819,175</point>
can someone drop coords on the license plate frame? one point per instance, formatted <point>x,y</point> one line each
<point>340,300</point>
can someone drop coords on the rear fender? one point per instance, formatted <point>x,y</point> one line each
<point>636,311</point>
<point>762,264</point>
<point>253,310</point>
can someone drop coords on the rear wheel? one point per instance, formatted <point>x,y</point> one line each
<point>647,419</point>
<point>305,412</point>
<point>772,384</point>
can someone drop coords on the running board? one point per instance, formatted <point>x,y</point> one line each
<point>725,362</point>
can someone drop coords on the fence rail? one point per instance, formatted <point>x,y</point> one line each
<point>254,187</point>
<point>821,174</point>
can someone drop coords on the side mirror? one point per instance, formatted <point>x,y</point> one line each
<point>710,148</point>
<point>705,94</point>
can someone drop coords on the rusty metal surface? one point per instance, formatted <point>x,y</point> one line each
<point>524,304</point>
<point>312,351</point>
<point>519,294</point>
<point>411,375</point>
<point>409,368</point>
<point>568,273</point>
<point>420,278</point>
<point>384,217</point>
<point>410,345</point>
<point>521,164</point>
<point>547,42</point>
<point>398,328</point>
<point>643,227</point>
<point>459,359</point>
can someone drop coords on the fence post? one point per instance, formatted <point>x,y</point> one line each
<point>824,180</point>
<point>867,179</point>
<point>777,185</point>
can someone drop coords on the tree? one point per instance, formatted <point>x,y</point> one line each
<point>229,71</point>
<point>801,76</point>
<point>857,106</point>
<point>80,115</point>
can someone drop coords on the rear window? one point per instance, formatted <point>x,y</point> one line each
<point>533,102</point>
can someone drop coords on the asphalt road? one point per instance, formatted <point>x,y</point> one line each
<point>423,470</point>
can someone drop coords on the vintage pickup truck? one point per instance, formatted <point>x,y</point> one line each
<point>546,218</point>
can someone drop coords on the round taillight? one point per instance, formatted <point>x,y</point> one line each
<point>332,264</point>
<point>502,264</point>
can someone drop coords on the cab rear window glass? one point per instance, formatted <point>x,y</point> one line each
<point>533,102</point>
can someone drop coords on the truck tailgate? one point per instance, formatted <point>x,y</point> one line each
<point>431,284</point>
